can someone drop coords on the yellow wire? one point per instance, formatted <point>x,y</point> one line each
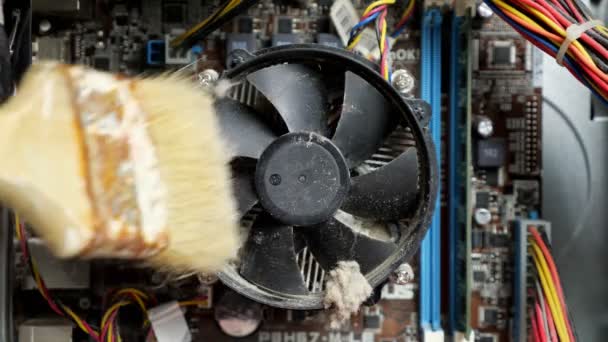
<point>108,313</point>
<point>531,22</point>
<point>179,39</point>
<point>550,292</point>
<point>408,9</point>
<point>193,303</point>
<point>129,290</point>
<point>355,41</point>
<point>76,319</point>
<point>17,226</point>
<point>376,4</point>
<point>136,295</point>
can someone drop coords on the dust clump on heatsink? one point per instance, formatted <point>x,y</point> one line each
<point>345,290</point>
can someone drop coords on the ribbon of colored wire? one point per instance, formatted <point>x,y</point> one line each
<point>545,22</point>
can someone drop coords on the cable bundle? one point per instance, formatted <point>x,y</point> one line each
<point>119,299</point>
<point>56,306</point>
<point>552,25</point>
<point>549,315</point>
<point>222,15</point>
<point>377,11</point>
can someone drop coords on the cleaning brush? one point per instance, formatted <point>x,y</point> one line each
<point>106,166</point>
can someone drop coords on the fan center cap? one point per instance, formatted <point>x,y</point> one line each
<point>302,179</point>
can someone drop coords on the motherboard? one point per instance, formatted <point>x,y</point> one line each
<point>491,162</point>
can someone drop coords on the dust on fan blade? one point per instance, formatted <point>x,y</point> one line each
<point>269,260</point>
<point>242,129</point>
<point>243,171</point>
<point>364,123</point>
<point>298,93</point>
<point>333,241</point>
<point>388,193</point>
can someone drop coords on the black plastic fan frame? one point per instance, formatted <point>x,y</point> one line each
<point>413,113</point>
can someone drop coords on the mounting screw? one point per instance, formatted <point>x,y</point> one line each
<point>84,303</point>
<point>207,77</point>
<point>403,274</point>
<point>403,81</point>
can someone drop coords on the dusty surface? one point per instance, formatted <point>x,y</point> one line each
<point>346,290</point>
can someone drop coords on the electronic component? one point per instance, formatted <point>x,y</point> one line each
<point>284,25</point>
<point>522,265</point>
<point>155,52</point>
<point>488,316</point>
<point>491,152</point>
<point>176,55</point>
<point>45,330</point>
<point>498,240</point>
<point>484,127</point>
<point>101,63</point>
<point>245,24</point>
<point>477,238</point>
<point>280,39</point>
<point>479,276</point>
<point>238,316</point>
<point>372,322</point>
<point>344,17</point>
<point>502,54</point>
<point>169,323</point>
<point>482,216</point>
<point>526,192</point>
<point>482,199</point>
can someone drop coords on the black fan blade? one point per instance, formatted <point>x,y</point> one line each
<point>333,241</point>
<point>365,120</point>
<point>243,131</point>
<point>298,94</point>
<point>242,185</point>
<point>269,258</point>
<point>386,193</point>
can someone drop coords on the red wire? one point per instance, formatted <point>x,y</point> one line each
<point>555,276</point>
<point>565,23</point>
<point>539,322</point>
<point>582,61</point>
<point>26,259</point>
<point>538,7</point>
<point>559,5</point>
<point>105,328</point>
<point>535,333</point>
<point>383,60</point>
<point>372,12</point>
<point>404,20</point>
<point>575,11</point>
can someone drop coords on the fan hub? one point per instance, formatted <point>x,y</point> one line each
<point>302,178</point>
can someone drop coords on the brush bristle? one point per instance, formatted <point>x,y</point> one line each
<point>194,167</point>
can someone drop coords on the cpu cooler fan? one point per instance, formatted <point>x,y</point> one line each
<point>303,164</point>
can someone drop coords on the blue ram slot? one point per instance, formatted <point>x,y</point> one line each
<point>453,165</point>
<point>425,248</point>
<point>430,259</point>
